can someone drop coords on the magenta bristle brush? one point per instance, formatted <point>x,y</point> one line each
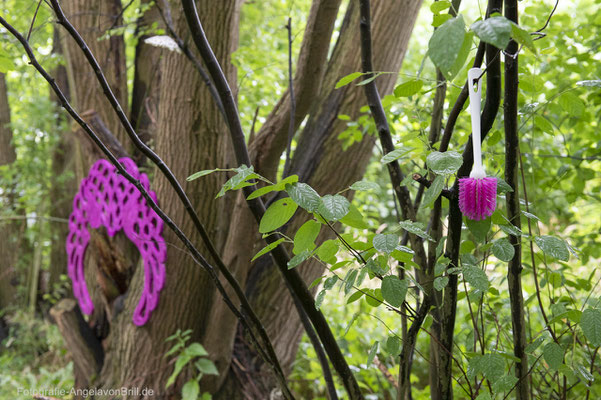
<point>478,193</point>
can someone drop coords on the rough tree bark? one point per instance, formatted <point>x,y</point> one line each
<point>191,136</point>
<point>10,230</point>
<point>63,184</point>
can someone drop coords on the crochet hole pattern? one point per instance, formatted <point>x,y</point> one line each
<point>106,198</point>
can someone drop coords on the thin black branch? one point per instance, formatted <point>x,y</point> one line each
<point>514,270</point>
<point>35,14</point>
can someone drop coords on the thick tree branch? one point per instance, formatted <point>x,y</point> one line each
<point>377,110</point>
<point>449,306</point>
<point>512,145</point>
<point>292,279</point>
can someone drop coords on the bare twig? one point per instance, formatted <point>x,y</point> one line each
<point>292,99</point>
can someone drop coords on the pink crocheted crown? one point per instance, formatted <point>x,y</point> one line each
<point>106,198</point>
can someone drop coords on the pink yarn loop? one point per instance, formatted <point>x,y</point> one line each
<point>106,198</point>
<point>477,197</point>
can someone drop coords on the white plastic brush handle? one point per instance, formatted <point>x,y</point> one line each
<point>475,90</point>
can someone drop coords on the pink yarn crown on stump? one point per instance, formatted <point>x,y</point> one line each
<point>106,198</point>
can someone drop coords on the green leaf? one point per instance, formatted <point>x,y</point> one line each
<point>354,219</point>
<point>492,366</point>
<point>319,299</point>
<point>395,154</point>
<point>504,384</point>
<point>394,290</point>
<point>201,173</point>
<point>510,230</point>
<point>416,228</point>
<point>446,163</point>
<point>479,228</point>
<point>190,390</point>
<point>364,186</point>
<point>590,322</point>
<point>206,366</point>
<point>330,282</point>
<point>349,281</point>
<point>393,345</point>
<point>345,80</point>
<point>523,37</point>
<point>503,250</point>
<point>408,88</point>
<point>584,373</point>
<point>354,297</point>
<point>316,282</point>
<point>440,19</point>
<point>503,186</point>
<point>385,243</point>
<point>432,193</point>
<point>373,297</point>
<point>374,267</point>
<point>298,259</point>
<point>267,249</point>
<point>494,30</point>
<point>553,247</point>
<point>179,365</point>
<point>327,251</point>
<point>304,195</point>
<point>464,52</point>
<point>304,239</point>
<point>476,278</point>
<point>543,124</point>
<point>372,353</point>
<point>333,207</point>
<point>241,179</point>
<point>277,215</point>
<point>196,350</point>
<point>446,42</point>
<point>273,188</point>
<point>441,282</point>
<point>439,6</point>
<point>553,354</point>
<point>572,104</point>
<point>531,348</point>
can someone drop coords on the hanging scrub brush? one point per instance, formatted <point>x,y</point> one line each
<point>478,193</point>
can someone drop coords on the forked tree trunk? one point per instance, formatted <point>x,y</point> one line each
<point>317,160</point>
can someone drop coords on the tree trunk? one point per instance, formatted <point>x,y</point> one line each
<point>10,229</point>
<point>191,136</point>
<point>63,185</point>
<point>317,155</point>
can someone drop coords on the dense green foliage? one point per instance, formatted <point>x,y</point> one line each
<point>360,293</point>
